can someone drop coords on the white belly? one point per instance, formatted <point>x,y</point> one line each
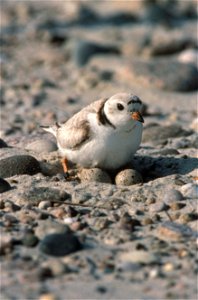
<point>108,150</point>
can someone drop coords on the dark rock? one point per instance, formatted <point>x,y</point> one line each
<point>19,164</point>
<point>3,144</point>
<point>165,74</point>
<point>60,244</point>
<point>4,186</point>
<point>84,50</point>
<point>162,132</point>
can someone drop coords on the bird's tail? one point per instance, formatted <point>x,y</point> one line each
<point>52,129</point>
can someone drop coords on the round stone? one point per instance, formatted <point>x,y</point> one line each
<point>60,244</point>
<point>4,186</point>
<point>19,164</point>
<point>42,145</point>
<point>172,195</point>
<point>190,190</point>
<point>95,174</point>
<point>30,240</point>
<point>128,177</point>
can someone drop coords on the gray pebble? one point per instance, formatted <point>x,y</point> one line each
<point>30,240</point>
<point>19,164</point>
<point>175,231</point>
<point>37,194</point>
<point>95,174</point>
<point>42,145</point>
<point>59,244</point>
<point>44,204</point>
<point>4,186</point>
<point>128,177</point>
<point>190,190</point>
<point>139,256</point>
<point>158,207</point>
<point>172,195</point>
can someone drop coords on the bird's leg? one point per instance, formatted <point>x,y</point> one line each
<point>65,167</point>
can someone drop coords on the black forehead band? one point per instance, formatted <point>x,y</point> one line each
<point>135,99</point>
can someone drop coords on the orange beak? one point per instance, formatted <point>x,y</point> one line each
<point>136,115</point>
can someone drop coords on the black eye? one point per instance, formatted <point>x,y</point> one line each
<point>120,106</point>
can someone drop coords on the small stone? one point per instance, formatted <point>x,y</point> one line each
<point>95,174</point>
<point>139,256</point>
<point>19,164</point>
<point>35,195</point>
<point>4,185</point>
<point>194,125</point>
<point>158,207</point>
<point>42,145</point>
<point>12,206</point>
<point>189,56</point>
<point>128,223</point>
<point>6,245</point>
<point>172,196</point>
<point>60,244</point>
<point>101,289</point>
<point>147,221</point>
<point>30,240</point>
<point>174,231</point>
<point>44,204</point>
<point>128,177</point>
<point>168,267</point>
<point>190,190</point>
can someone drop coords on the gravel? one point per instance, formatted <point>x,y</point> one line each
<point>98,234</point>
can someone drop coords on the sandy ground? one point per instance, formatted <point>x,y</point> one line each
<point>82,239</point>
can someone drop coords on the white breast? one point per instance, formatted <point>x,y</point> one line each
<point>107,148</point>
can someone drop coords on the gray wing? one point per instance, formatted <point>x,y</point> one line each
<point>76,131</point>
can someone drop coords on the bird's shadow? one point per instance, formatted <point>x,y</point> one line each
<point>155,167</point>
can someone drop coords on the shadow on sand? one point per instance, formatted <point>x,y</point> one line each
<point>156,167</point>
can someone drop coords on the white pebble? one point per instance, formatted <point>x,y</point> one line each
<point>190,190</point>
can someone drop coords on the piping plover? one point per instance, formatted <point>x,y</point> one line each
<point>104,134</point>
